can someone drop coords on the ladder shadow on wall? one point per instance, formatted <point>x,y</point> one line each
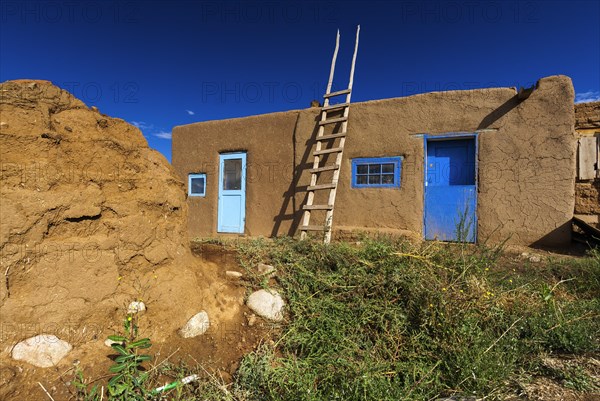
<point>300,167</point>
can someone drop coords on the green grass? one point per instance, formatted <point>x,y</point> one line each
<point>392,321</point>
<point>389,320</point>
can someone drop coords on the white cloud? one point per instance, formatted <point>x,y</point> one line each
<point>190,112</point>
<point>162,135</point>
<point>148,128</point>
<point>142,125</point>
<point>590,96</point>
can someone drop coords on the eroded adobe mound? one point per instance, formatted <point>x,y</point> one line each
<point>92,218</point>
<point>81,192</point>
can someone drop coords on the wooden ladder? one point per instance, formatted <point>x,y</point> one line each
<point>321,152</point>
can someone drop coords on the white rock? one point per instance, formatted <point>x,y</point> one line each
<point>136,307</point>
<point>197,325</point>
<point>531,257</point>
<point>265,269</point>
<point>44,350</point>
<point>108,342</point>
<point>232,274</point>
<point>267,304</point>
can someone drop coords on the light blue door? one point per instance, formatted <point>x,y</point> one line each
<point>450,190</point>
<point>232,193</point>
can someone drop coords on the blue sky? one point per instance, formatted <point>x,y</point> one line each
<point>158,64</point>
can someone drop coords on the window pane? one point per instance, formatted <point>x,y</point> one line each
<point>374,179</point>
<point>198,185</point>
<point>387,168</point>
<point>232,174</point>
<point>387,179</point>
<point>374,168</point>
<point>378,172</point>
<point>361,179</point>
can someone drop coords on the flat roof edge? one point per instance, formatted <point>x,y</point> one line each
<point>417,95</point>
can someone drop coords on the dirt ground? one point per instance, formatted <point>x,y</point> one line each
<point>550,389</point>
<point>219,350</point>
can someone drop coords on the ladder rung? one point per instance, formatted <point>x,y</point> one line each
<point>321,186</point>
<point>312,228</point>
<point>317,207</point>
<point>335,106</point>
<point>333,120</point>
<point>325,151</point>
<point>342,92</point>
<point>332,136</point>
<point>326,168</point>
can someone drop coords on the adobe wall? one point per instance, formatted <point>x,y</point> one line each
<point>268,142</point>
<point>527,171</point>
<point>587,117</point>
<point>587,192</point>
<point>587,197</point>
<point>526,162</point>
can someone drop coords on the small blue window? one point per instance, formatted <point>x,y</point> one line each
<point>380,172</point>
<point>197,185</point>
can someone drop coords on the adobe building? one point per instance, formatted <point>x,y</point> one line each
<point>510,156</point>
<point>587,187</point>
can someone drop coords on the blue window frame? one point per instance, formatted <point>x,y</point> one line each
<point>380,172</point>
<point>197,184</point>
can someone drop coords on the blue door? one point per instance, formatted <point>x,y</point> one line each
<point>450,189</point>
<point>232,193</point>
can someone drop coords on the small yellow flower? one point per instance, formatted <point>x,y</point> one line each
<point>155,276</point>
<point>431,305</point>
<point>444,289</point>
<point>129,318</point>
<point>487,268</point>
<point>510,281</point>
<point>119,278</point>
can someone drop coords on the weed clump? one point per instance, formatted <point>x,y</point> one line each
<point>388,320</point>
